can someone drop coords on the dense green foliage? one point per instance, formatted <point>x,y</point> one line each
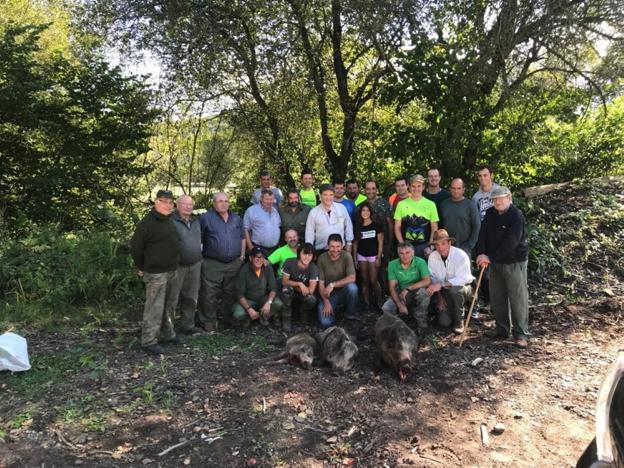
<point>70,133</point>
<point>48,274</point>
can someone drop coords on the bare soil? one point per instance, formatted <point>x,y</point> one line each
<point>227,407</point>
<point>92,398</point>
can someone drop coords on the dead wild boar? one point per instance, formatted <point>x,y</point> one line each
<point>337,348</point>
<point>397,344</point>
<point>302,350</point>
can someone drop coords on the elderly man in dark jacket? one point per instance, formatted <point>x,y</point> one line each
<point>156,253</point>
<point>504,248</point>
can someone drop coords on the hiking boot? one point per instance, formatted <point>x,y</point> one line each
<point>177,340</point>
<point>210,327</point>
<point>154,349</point>
<point>521,342</point>
<point>496,334</point>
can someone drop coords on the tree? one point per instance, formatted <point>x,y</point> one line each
<point>470,58</point>
<point>272,57</point>
<point>70,132</point>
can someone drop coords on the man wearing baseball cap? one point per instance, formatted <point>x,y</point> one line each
<point>450,280</point>
<point>155,249</point>
<point>504,248</point>
<point>257,292</point>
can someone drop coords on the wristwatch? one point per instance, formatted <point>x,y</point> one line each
<point>270,301</point>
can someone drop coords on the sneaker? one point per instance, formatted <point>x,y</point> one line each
<point>194,331</point>
<point>475,314</point>
<point>154,349</point>
<point>177,340</point>
<point>458,330</point>
<point>263,320</point>
<point>351,317</point>
<point>210,327</point>
<point>521,342</point>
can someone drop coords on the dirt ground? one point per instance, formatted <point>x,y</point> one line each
<point>93,398</point>
<point>215,402</point>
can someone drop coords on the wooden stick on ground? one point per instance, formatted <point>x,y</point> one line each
<point>474,300</point>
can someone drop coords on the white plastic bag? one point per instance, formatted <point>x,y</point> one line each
<point>13,353</point>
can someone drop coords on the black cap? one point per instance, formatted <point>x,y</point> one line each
<point>164,194</point>
<point>255,251</point>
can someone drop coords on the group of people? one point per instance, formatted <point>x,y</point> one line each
<point>313,253</point>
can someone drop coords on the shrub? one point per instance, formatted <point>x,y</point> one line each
<point>55,273</point>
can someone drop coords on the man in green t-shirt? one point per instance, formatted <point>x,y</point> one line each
<point>307,194</point>
<point>416,218</point>
<point>279,256</point>
<point>408,279</point>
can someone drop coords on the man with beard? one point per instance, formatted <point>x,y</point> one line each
<point>339,197</point>
<point>416,218</point>
<point>293,213</point>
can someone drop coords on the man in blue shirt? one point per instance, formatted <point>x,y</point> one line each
<point>223,249</point>
<point>262,224</point>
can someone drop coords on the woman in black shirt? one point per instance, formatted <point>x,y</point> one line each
<point>368,247</point>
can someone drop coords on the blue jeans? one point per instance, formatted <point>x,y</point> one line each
<point>347,296</point>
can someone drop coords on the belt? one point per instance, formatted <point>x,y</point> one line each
<point>221,260</point>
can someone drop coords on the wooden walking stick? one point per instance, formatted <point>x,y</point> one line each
<point>474,300</point>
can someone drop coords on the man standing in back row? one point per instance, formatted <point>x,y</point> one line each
<point>483,196</point>
<point>504,248</point>
<point>460,217</point>
<point>416,218</point>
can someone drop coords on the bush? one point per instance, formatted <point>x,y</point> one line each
<point>53,274</point>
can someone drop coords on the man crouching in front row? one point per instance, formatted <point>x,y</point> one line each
<point>408,278</point>
<point>257,292</point>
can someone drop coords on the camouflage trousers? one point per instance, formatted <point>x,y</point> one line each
<point>184,289</point>
<point>416,302</point>
<point>156,323</point>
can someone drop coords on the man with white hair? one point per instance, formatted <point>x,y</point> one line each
<point>184,288</point>
<point>504,248</point>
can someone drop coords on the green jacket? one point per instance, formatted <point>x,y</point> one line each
<point>155,247</point>
<point>252,287</point>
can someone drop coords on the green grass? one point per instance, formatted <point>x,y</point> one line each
<point>216,343</point>
<point>53,369</point>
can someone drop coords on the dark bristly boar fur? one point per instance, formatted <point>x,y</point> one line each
<point>397,344</point>
<point>337,348</point>
<point>302,350</point>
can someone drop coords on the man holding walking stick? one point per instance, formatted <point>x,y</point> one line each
<point>504,248</point>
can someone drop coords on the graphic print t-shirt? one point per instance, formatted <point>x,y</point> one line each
<point>300,275</point>
<point>367,241</point>
<point>416,218</point>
